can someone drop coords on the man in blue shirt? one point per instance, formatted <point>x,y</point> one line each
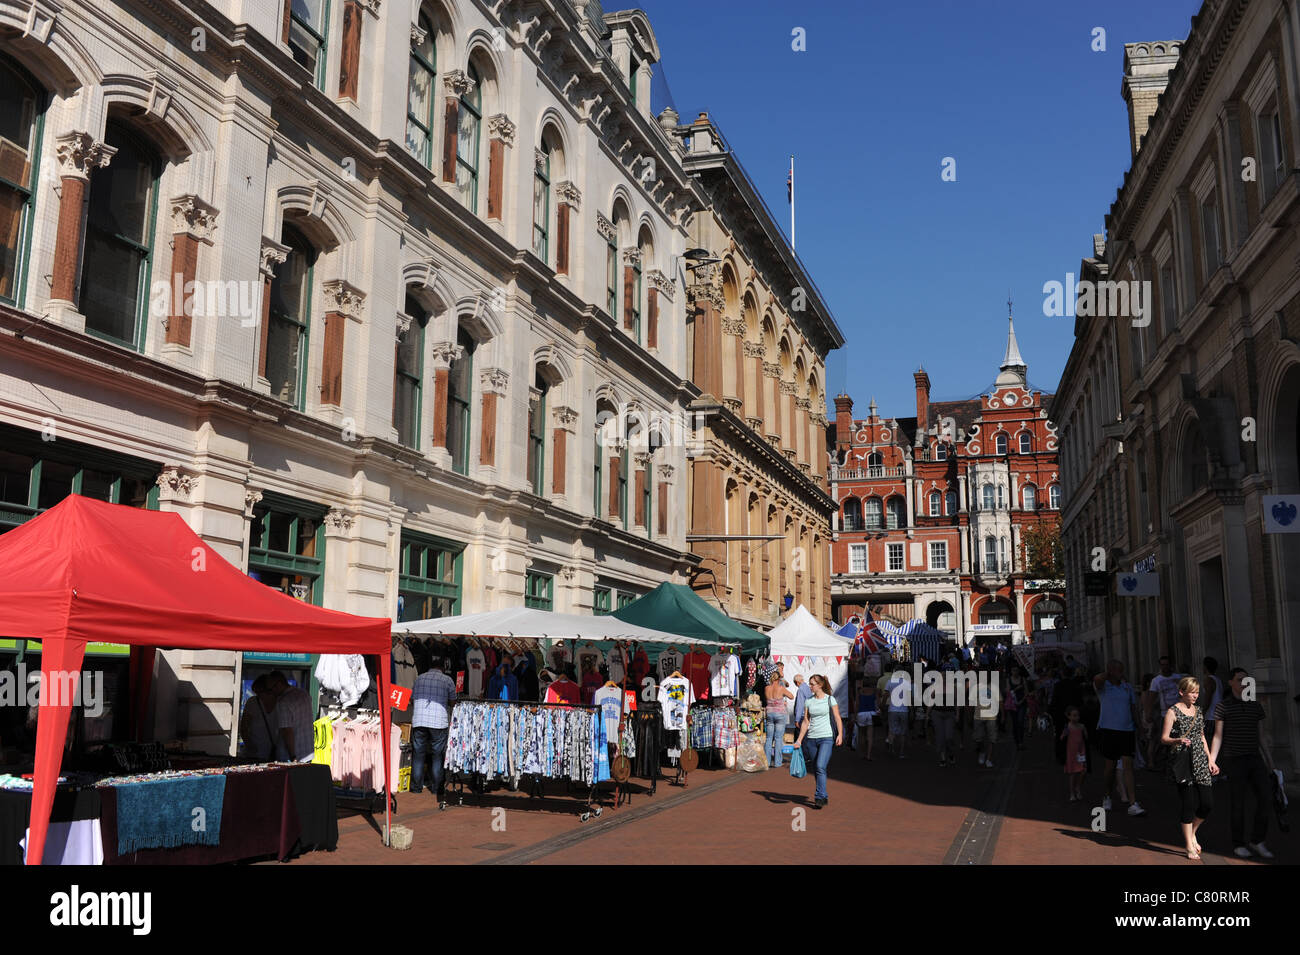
<point>801,694</point>
<point>1117,731</point>
<point>431,702</point>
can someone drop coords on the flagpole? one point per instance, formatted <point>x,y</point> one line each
<point>792,202</point>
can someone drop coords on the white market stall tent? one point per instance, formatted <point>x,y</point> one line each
<point>806,647</point>
<point>523,623</point>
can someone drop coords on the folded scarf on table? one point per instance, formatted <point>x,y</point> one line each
<point>163,814</point>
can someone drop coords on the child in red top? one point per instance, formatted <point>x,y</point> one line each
<point>1076,752</point>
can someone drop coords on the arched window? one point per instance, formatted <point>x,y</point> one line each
<point>990,553</point>
<point>1002,443</point>
<point>1002,497</point>
<point>874,468</point>
<point>471,118</point>
<point>645,248</point>
<point>537,435</point>
<point>420,100</point>
<point>624,468</point>
<point>603,415</point>
<point>409,376</point>
<point>873,513</point>
<point>951,502</point>
<point>120,217</point>
<point>1031,498</point>
<point>1054,497</point>
<point>852,514</point>
<point>1002,555</point>
<point>22,105</point>
<point>895,513</point>
<point>1026,442</point>
<point>986,497</point>
<point>542,201</point>
<point>289,321</point>
<point>309,25</point>
<point>936,504</point>
<point>460,385</point>
<point>941,450</point>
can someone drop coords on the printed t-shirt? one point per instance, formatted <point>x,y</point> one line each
<point>476,665</point>
<point>564,691</point>
<point>676,697</point>
<point>669,661</point>
<point>610,701</point>
<point>614,664</point>
<point>696,669</point>
<point>724,675</point>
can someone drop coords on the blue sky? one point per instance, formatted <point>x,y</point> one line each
<point>917,270</point>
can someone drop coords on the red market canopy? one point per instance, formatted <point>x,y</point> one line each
<point>86,571</point>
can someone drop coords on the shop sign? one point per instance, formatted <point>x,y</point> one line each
<point>302,659</point>
<point>1137,585</point>
<point>92,649</point>
<point>299,591</point>
<point>400,697</point>
<point>1146,565</point>
<point>1282,513</point>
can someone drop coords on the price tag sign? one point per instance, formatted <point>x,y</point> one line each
<point>460,681</point>
<point>399,697</point>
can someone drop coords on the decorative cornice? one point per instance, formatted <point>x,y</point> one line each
<point>606,229</point>
<point>192,216</point>
<point>495,380</point>
<point>79,155</point>
<point>565,417</point>
<point>457,82</point>
<point>662,283</point>
<point>569,194</point>
<point>344,298</point>
<point>707,293</point>
<point>771,369</point>
<point>754,350</point>
<point>501,127</point>
<point>803,404</point>
<point>273,254</point>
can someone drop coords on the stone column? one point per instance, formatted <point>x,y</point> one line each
<point>566,421</point>
<point>708,303</point>
<point>78,156</point>
<point>661,286</point>
<point>273,254</point>
<point>665,478</point>
<point>631,259</point>
<point>456,83</point>
<point>754,350</point>
<point>615,473</point>
<point>569,199</point>
<point>343,302</point>
<point>642,461</point>
<point>495,381</point>
<point>444,354</point>
<point>773,371</point>
<point>501,135</point>
<point>350,56</point>
<point>193,223</point>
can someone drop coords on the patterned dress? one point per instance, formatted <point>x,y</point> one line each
<point>1193,727</point>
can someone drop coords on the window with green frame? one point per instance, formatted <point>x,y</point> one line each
<point>539,591</point>
<point>289,324</point>
<point>467,136</point>
<point>611,280</point>
<point>286,547</point>
<point>636,300</point>
<point>408,376</point>
<point>429,579</point>
<point>601,602</point>
<point>598,475</point>
<point>647,498</point>
<point>624,459</point>
<point>633,68</point>
<point>420,98</point>
<point>309,25</point>
<point>537,438</point>
<point>624,599</point>
<point>35,475</point>
<point>460,384</point>
<point>542,202</point>
<point>22,119</point>
<point>121,213</point>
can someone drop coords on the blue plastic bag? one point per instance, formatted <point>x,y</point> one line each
<point>797,768</point>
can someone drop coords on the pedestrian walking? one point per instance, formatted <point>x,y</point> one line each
<point>866,718</point>
<point>898,692</point>
<point>1117,732</point>
<point>775,716</point>
<point>985,730</point>
<point>1017,703</point>
<point>1190,765</point>
<point>1244,744</point>
<point>1075,736</point>
<point>821,730</point>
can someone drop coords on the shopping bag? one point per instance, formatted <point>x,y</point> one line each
<point>797,768</point>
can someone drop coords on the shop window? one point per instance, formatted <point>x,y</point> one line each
<point>289,325</point>
<point>538,591</point>
<point>308,29</point>
<point>460,385</point>
<point>287,548</point>
<point>429,579</point>
<point>120,217</point>
<point>408,376</point>
<point>420,98</point>
<point>22,113</point>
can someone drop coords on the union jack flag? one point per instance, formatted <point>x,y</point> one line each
<point>869,638</point>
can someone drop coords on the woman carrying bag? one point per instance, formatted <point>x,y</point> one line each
<point>823,728</point>
<point>1190,768</point>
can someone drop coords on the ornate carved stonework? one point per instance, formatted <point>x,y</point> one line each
<point>192,215</point>
<point>755,424</point>
<point>734,326</point>
<point>457,82</point>
<point>418,35</point>
<point>771,369</point>
<point>641,459</point>
<point>177,482</point>
<point>501,127</point>
<point>344,298</point>
<point>802,404</point>
<point>606,229</point>
<point>665,472</point>
<point>569,194</point>
<point>403,325</point>
<point>495,380</point>
<point>662,283</point>
<point>539,160</point>
<point>565,418</point>
<point>568,572</point>
<point>252,497</point>
<point>787,387</point>
<point>339,521</point>
<point>709,293</point>
<point>632,256</point>
<point>733,404</point>
<point>372,7</point>
<point>273,254</point>
<point>754,350</point>
<point>79,155</point>
<point>444,353</point>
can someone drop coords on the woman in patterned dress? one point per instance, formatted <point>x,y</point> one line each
<point>1185,726</point>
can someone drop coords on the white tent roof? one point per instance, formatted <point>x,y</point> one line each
<point>800,634</point>
<point>523,623</point>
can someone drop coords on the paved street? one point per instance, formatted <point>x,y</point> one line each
<point>883,811</point>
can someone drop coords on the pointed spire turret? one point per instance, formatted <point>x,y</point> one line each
<point>1013,371</point>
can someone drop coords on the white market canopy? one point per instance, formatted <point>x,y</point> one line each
<point>800,634</point>
<point>523,623</point>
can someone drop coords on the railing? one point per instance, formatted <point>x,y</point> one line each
<point>866,474</point>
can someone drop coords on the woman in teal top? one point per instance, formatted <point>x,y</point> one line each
<point>820,729</point>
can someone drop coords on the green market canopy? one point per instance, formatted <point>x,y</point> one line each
<point>678,609</point>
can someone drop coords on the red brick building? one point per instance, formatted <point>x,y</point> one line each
<point>932,509</point>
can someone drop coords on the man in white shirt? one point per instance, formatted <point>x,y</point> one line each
<point>296,742</point>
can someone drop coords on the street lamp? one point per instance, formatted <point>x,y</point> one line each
<point>789,600</point>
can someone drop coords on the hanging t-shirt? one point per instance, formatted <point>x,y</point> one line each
<point>724,675</point>
<point>476,667</point>
<point>564,691</point>
<point>639,667</point>
<point>323,732</point>
<point>669,661</point>
<point>696,669</point>
<point>676,697</point>
<point>610,701</point>
<point>614,664</point>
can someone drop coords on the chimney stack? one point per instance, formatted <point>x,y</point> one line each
<point>1146,74</point>
<point>922,400</point>
<point>843,422</point>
